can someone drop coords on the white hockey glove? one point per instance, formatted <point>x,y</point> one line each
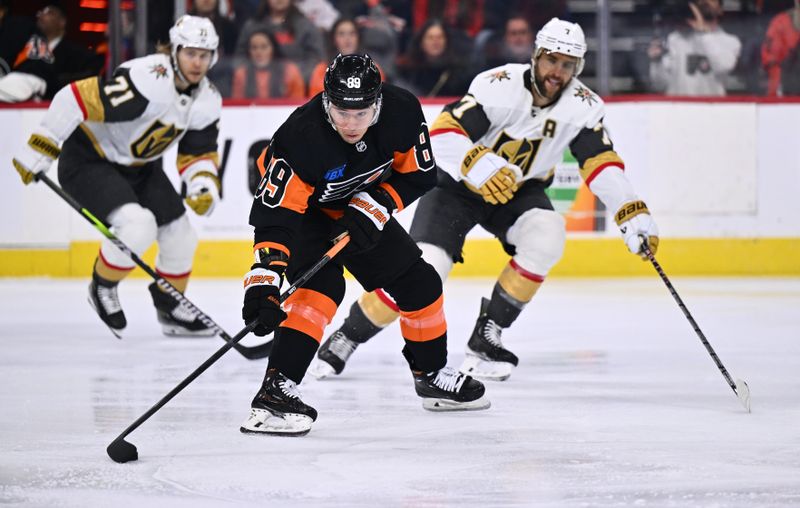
<point>634,219</point>
<point>202,193</point>
<point>36,156</point>
<point>490,175</point>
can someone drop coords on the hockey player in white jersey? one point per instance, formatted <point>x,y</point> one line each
<point>497,148</point>
<point>114,134</point>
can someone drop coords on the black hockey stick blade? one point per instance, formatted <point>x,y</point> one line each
<point>122,451</point>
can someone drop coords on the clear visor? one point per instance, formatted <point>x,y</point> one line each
<point>352,119</point>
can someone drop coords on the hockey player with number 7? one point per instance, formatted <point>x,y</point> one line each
<point>346,161</point>
<point>114,134</point>
<point>497,147</point>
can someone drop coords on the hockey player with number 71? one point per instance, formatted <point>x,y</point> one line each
<point>347,160</point>
<point>114,134</point>
<point>497,147</point>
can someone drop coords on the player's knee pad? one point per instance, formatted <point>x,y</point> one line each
<point>136,227</point>
<point>309,311</point>
<point>177,242</point>
<point>538,237</point>
<point>438,258</point>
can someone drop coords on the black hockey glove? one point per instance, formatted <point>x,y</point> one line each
<point>365,216</point>
<point>262,299</point>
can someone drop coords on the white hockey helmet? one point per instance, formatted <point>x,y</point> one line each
<point>194,32</point>
<point>558,36</point>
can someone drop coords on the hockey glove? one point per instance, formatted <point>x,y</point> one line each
<point>262,301</point>
<point>36,157</point>
<point>364,219</point>
<point>202,193</point>
<point>486,173</point>
<point>634,219</point>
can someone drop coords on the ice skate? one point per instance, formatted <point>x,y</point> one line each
<point>332,355</point>
<point>486,356</point>
<point>176,318</point>
<point>277,409</point>
<point>104,300</point>
<point>449,390</point>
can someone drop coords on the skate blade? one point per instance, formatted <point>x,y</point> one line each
<point>262,421</point>
<point>438,405</point>
<point>486,370</point>
<point>179,331</point>
<point>321,369</point>
<point>117,333</point>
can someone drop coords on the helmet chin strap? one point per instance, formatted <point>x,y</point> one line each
<point>177,68</point>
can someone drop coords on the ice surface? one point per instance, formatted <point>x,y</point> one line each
<point>615,403</point>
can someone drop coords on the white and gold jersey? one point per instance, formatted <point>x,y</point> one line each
<point>498,113</point>
<point>136,115</point>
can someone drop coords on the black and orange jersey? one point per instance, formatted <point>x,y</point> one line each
<point>308,164</point>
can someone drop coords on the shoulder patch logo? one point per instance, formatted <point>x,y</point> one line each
<point>159,70</point>
<point>585,95</point>
<point>498,76</point>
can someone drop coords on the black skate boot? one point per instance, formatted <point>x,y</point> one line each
<point>337,348</point>
<point>277,409</point>
<point>177,319</point>
<point>104,300</point>
<point>486,356</point>
<point>449,390</point>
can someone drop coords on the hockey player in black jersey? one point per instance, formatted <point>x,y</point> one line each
<point>114,134</point>
<point>345,161</point>
<point>496,148</point>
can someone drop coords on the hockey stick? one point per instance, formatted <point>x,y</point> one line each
<point>739,387</point>
<point>251,353</point>
<point>122,451</point>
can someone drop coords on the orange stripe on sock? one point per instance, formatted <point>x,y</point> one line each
<point>425,324</point>
<point>309,312</point>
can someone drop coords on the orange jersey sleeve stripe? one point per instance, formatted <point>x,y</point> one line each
<point>405,162</point>
<point>398,201</point>
<point>309,312</point>
<point>425,324</point>
<point>297,194</point>
<point>271,245</point>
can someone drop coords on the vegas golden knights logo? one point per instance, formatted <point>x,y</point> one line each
<point>520,152</point>
<point>155,140</point>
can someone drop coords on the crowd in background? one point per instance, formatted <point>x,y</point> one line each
<point>280,48</point>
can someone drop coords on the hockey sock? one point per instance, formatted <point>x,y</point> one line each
<point>513,290</point>
<point>357,326</point>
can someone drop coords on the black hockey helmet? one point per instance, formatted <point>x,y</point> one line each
<point>352,82</point>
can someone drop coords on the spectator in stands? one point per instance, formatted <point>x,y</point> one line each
<point>267,75</point>
<point>14,32</point>
<point>780,53</point>
<point>48,61</point>
<point>380,32</point>
<point>431,67</point>
<point>515,45</point>
<point>343,39</point>
<point>298,39</point>
<point>698,56</point>
<point>320,12</point>
<point>225,28</point>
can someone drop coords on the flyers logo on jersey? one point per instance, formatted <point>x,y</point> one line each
<point>155,140</point>
<point>339,190</point>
